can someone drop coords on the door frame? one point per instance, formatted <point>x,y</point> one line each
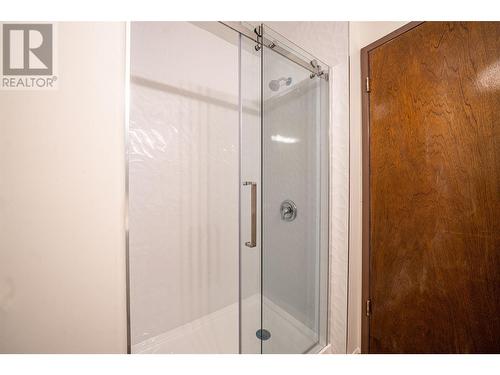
<point>365,129</point>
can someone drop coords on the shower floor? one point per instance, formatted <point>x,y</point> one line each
<point>216,332</point>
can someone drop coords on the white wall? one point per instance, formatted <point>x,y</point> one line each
<point>328,41</point>
<point>62,250</point>
<point>360,35</point>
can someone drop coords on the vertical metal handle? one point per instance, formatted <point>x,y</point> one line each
<point>253,225</point>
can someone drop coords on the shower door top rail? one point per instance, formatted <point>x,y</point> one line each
<point>278,44</point>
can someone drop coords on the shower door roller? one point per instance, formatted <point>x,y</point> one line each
<point>288,210</point>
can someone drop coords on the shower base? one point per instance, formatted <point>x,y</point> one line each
<point>212,333</point>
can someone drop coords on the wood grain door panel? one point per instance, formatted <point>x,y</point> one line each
<point>434,164</point>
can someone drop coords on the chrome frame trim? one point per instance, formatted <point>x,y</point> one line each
<point>330,210</point>
<point>275,46</point>
<point>240,142</point>
<point>243,30</point>
<point>126,128</point>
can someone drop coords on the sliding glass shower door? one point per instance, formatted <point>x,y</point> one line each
<point>183,188</point>
<point>228,191</point>
<point>284,197</point>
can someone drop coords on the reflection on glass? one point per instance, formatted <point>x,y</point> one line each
<point>282,139</point>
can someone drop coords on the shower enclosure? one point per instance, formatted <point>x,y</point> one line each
<point>228,191</point>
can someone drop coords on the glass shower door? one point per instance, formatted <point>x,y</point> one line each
<point>183,188</point>
<point>228,191</point>
<point>250,195</point>
<point>294,205</point>
<point>284,117</point>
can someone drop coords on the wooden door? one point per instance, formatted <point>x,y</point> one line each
<point>434,189</point>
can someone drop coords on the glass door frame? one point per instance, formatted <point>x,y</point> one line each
<point>297,55</point>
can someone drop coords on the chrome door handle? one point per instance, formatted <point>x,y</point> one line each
<point>253,220</point>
